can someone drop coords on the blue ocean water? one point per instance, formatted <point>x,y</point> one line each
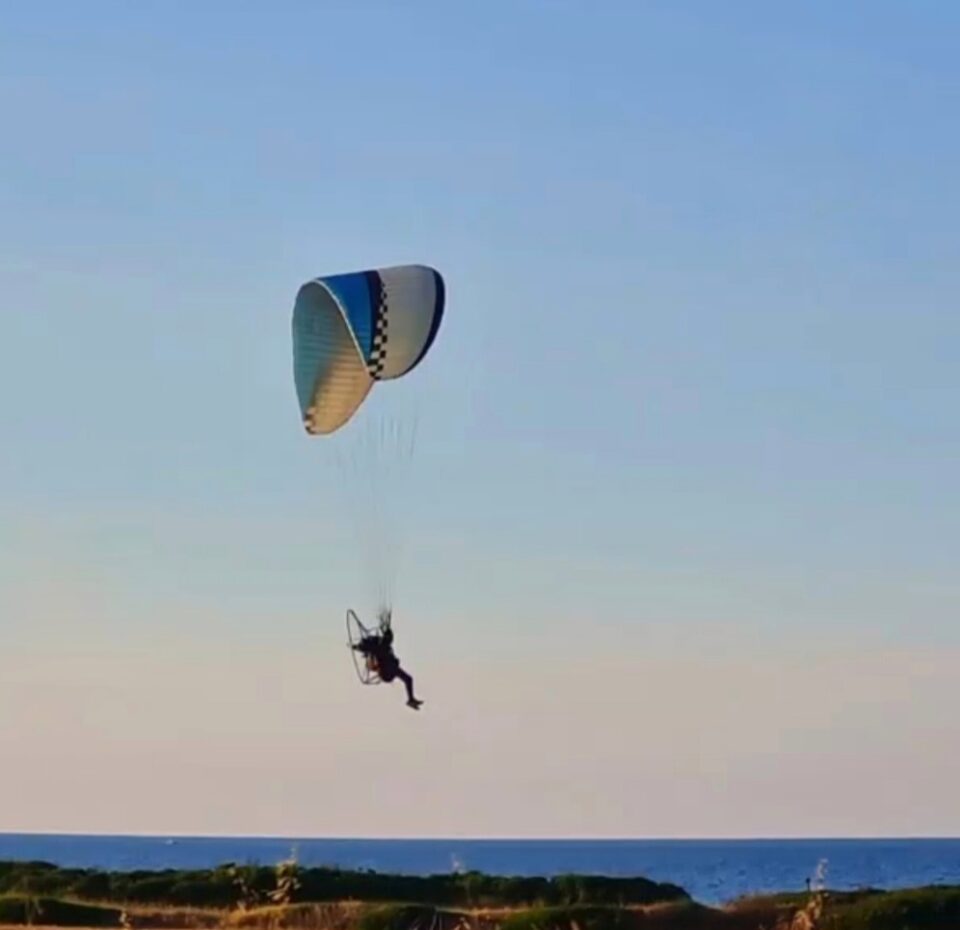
<point>712,871</point>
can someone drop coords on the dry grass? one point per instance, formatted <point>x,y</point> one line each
<point>810,915</point>
<point>339,916</point>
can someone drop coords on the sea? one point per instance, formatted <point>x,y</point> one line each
<point>711,871</point>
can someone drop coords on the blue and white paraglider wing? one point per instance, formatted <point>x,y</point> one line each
<point>354,329</point>
<point>410,309</point>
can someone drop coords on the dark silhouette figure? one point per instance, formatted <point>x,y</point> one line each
<point>377,649</point>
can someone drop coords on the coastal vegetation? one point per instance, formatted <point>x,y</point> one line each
<point>253,897</point>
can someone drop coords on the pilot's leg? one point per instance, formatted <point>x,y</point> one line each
<point>408,684</point>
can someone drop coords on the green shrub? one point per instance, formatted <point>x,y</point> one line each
<point>53,912</point>
<point>249,885</point>
<point>934,908</point>
<point>91,886</point>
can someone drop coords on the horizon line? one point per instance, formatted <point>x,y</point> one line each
<point>277,837</point>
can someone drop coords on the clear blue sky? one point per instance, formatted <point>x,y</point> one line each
<point>687,483</point>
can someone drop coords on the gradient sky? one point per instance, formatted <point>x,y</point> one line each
<point>682,535</point>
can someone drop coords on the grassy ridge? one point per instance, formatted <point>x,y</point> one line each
<point>288,897</point>
<point>231,886</point>
<point>917,909</point>
<point>16,909</point>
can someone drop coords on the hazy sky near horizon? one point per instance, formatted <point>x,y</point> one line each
<point>682,534</point>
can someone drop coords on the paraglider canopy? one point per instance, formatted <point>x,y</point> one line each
<point>351,330</point>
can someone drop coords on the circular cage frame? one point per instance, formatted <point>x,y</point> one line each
<point>356,632</point>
